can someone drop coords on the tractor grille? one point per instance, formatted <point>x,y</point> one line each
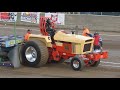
<point>87,47</point>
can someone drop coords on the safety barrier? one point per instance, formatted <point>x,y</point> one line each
<point>94,22</point>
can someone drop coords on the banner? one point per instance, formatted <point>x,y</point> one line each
<point>57,18</point>
<point>8,16</point>
<point>32,17</point>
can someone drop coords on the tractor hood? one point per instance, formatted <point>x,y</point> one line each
<point>61,36</point>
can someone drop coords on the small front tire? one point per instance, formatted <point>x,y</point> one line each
<point>77,64</point>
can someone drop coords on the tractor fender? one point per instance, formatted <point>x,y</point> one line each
<point>45,39</point>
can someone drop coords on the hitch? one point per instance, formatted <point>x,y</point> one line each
<point>97,56</point>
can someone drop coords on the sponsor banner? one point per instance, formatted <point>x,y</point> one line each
<point>8,16</point>
<point>58,18</point>
<point>32,17</point>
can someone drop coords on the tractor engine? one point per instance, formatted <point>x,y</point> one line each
<point>74,44</point>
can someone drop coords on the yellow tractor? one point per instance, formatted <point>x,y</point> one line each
<point>62,46</point>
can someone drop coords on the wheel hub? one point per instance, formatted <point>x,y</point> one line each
<point>75,63</point>
<point>31,54</point>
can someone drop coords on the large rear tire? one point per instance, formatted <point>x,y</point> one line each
<point>34,53</point>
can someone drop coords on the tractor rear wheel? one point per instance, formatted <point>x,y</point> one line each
<point>77,64</point>
<point>34,53</point>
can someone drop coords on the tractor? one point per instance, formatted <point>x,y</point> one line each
<point>76,49</point>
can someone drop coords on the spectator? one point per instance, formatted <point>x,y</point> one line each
<point>86,31</point>
<point>97,41</point>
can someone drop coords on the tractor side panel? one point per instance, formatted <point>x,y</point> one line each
<point>65,47</point>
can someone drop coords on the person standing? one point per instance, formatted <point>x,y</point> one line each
<point>86,31</point>
<point>97,41</point>
<point>26,37</point>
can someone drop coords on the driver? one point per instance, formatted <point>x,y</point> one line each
<point>50,30</point>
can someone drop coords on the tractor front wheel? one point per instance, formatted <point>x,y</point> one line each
<point>77,64</point>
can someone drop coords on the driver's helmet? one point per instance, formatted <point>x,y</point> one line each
<point>48,21</point>
<point>96,33</point>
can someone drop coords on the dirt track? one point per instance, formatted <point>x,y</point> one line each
<point>109,68</point>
